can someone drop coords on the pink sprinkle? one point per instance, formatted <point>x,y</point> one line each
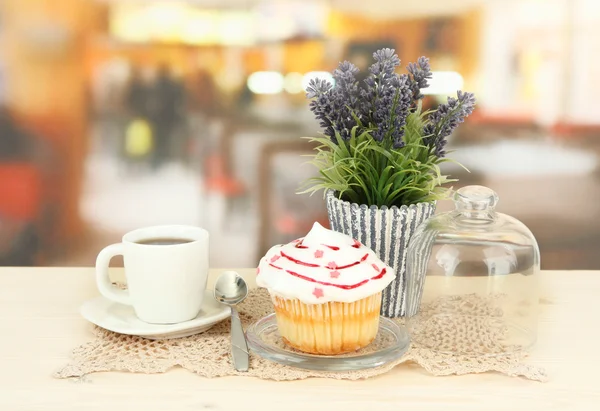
<point>375,267</point>
<point>275,258</point>
<point>332,265</point>
<point>334,274</point>
<point>318,292</point>
<point>318,253</point>
<point>257,270</point>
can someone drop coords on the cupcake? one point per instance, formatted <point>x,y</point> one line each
<point>326,289</point>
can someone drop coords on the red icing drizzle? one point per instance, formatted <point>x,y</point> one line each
<point>381,274</point>
<point>294,260</point>
<point>343,287</point>
<point>341,267</point>
<point>330,265</point>
<point>354,263</point>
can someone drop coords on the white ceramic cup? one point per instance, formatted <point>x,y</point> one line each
<point>165,283</point>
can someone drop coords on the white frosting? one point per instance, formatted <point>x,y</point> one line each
<point>321,267</point>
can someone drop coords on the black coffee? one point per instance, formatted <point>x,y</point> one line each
<point>164,241</point>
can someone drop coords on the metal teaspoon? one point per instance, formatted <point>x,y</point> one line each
<point>231,289</point>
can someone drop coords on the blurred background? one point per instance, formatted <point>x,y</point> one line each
<point>120,114</point>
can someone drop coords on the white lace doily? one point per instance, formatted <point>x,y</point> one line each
<point>207,354</point>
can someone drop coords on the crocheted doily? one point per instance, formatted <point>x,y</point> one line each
<point>207,354</point>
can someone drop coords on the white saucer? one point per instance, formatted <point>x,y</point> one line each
<point>121,319</point>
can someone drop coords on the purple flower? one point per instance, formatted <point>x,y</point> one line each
<point>318,91</point>
<point>344,76</point>
<point>442,122</point>
<point>386,98</point>
<point>382,71</point>
<point>317,87</point>
<point>335,105</point>
<point>345,96</point>
<point>385,64</point>
<point>390,110</point>
<point>420,72</point>
<point>383,102</point>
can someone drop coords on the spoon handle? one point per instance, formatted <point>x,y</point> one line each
<point>239,348</point>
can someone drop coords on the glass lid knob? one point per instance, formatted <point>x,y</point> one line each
<point>476,198</point>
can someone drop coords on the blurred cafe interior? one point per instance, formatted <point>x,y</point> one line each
<point>117,114</point>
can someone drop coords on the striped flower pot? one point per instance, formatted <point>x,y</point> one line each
<point>387,232</point>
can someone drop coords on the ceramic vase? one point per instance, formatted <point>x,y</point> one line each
<point>387,232</point>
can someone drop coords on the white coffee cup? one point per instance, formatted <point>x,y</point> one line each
<point>165,283</point>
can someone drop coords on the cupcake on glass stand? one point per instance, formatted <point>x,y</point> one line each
<point>326,289</point>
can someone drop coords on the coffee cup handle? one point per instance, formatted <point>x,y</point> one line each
<point>105,286</point>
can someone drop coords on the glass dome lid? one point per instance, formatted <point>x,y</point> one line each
<point>473,279</point>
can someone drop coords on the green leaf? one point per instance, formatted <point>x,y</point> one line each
<point>365,171</point>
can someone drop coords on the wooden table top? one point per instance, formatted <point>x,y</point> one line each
<point>40,325</point>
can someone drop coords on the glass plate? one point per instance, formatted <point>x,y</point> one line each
<point>391,343</point>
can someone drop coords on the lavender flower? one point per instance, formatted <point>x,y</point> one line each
<point>420,72</point>
<point>317,87</point>
<point>345,98</point>
<point>385,64</point>
<point>381,71</point>
<point>335,106</point>
<point>386,98</point>
<point>442,122</point>
<point>401,108</point>
<point>383,102</point>
<point>318,91</point>
<point>390,110</point>
<point>345,81</point>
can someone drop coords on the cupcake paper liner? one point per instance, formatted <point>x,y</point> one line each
<point>328,328</point>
